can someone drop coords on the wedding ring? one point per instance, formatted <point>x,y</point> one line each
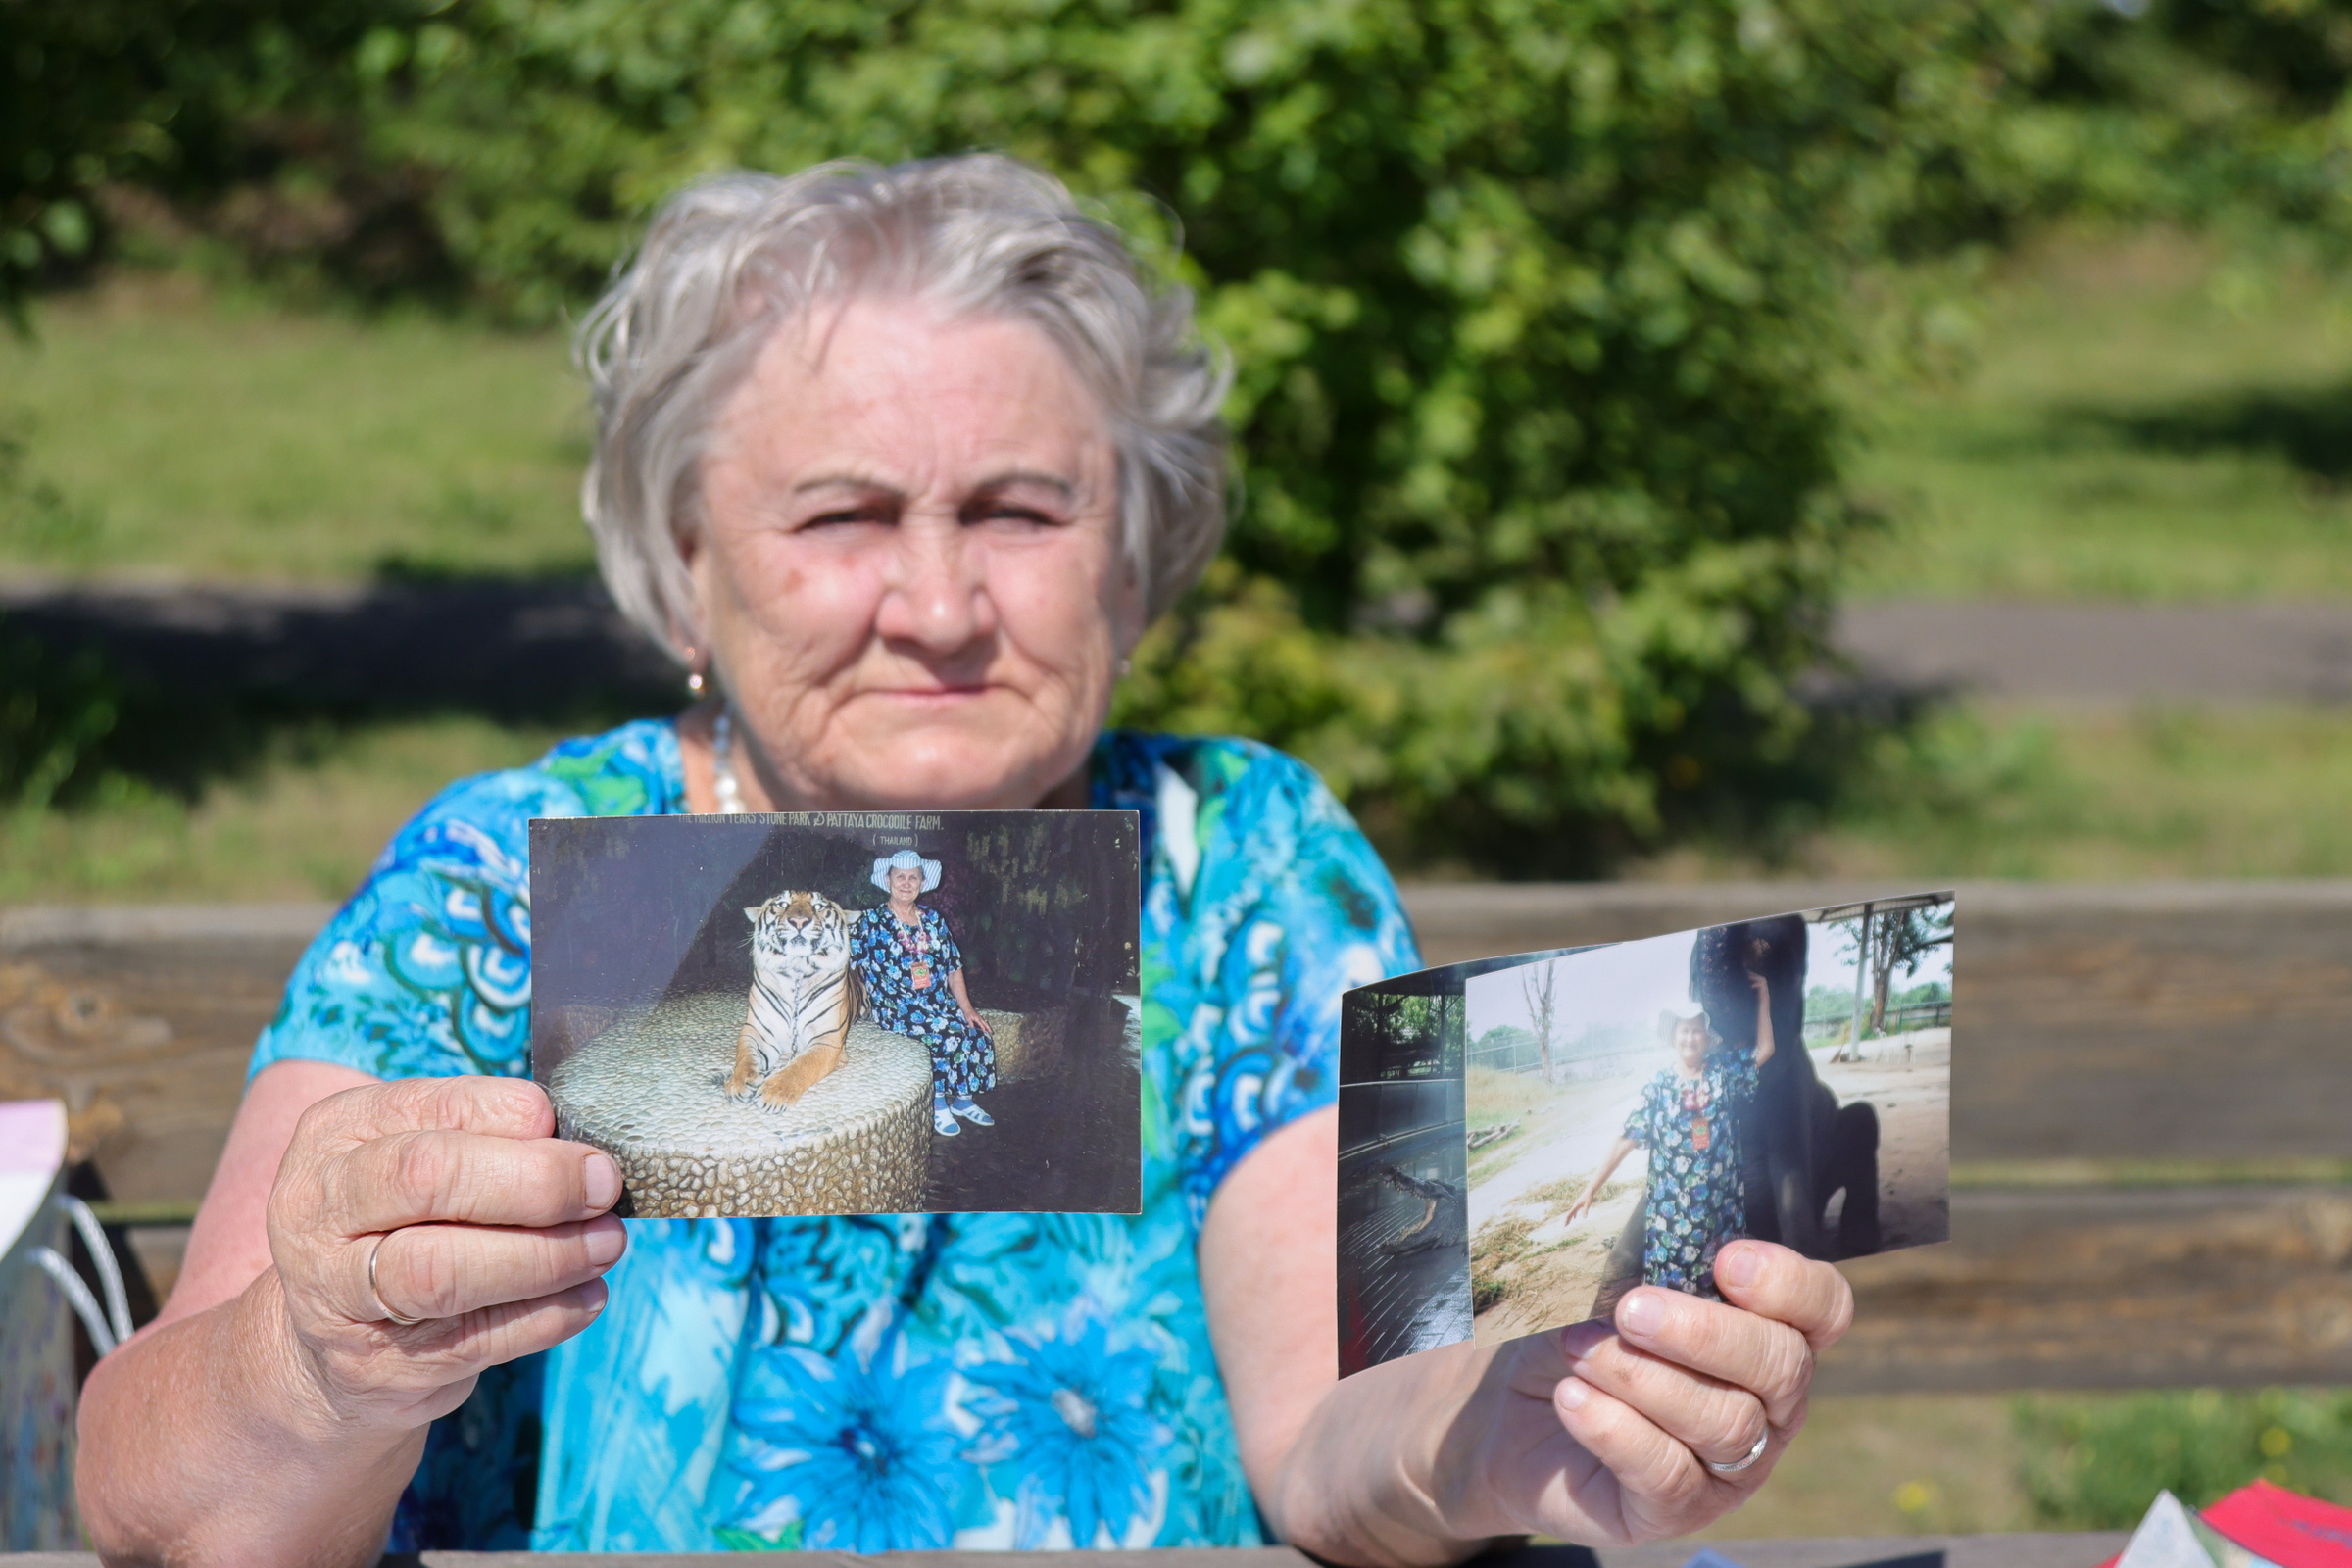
<point>1737,1465</point>
<point>390,1316</point>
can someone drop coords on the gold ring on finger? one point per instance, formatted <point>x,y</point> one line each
<point>388,1315</point>
<point>1753,1454</point>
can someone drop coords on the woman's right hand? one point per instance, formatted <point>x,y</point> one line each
<point>493,1233</point>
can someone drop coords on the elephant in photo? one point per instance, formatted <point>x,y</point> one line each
<point>1799,1146</point>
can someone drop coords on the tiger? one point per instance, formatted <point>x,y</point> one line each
<point>805,994</point>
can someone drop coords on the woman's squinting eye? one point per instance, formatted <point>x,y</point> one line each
<point>1004,512</point>
<point>871,514</point>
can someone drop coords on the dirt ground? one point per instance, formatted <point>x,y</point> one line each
<point>1550,1271</point>
<point>1909,1079</point>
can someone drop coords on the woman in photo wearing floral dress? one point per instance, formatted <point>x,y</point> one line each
<point>913,976</point>
<point>1688,1119</point>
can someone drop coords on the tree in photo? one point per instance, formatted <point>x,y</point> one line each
<point>1902,939</point>
<point>1537,983</point>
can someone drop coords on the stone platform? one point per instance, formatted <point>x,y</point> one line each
<point>650,1092</point>
<point>1029,1045</point>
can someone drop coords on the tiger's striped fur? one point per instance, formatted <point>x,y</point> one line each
<point>805,994</point>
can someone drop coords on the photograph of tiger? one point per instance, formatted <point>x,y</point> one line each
<point>845,1012</point>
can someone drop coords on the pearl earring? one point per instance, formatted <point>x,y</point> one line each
<point>694,674</point>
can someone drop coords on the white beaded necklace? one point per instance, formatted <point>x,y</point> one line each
<point>723,782</point>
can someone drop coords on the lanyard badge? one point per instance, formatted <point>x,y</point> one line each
<point>917,945</point>
<point>1694,1106</point>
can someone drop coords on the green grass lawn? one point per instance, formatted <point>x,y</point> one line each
<point>2142,420</point>
<point>2051,794</point>
<point>1961,1465</point>
<point>189,434</point>
<point>303,823</point>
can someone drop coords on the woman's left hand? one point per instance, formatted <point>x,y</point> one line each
<point>1598,1433</point>
<point>972,1016</point>
<point>1605,1431</point>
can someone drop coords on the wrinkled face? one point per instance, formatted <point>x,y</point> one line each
<point>1690,1042</point>
<point>908,568</point>
<point>905,883</point>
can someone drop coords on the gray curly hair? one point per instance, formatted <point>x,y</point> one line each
<point>730,260</point>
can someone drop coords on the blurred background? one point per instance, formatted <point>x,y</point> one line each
<point>1893,439</point>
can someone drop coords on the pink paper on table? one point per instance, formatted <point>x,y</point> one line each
<point>2280,1526</point>
<point>2287,1527</point>
<point>33,1135</point>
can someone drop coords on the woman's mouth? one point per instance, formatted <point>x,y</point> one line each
<point>939,693</point>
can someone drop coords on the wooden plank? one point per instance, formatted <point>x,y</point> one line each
<point>2178,1021</point>
<point>2209,1021</point>
<point>2116,1288</point>
<point>142,1021</point>
<point>2037,1550</point>
<point>2208,1024</point>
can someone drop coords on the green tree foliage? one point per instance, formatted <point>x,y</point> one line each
<point>234,119</point>
<point>56,708</point>
<point>1537,307</point>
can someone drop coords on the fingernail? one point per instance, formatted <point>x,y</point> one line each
<point>1642,1312</point>
<point>605,1243</point>
<point>1572,1393</point>
<point>1583,1340</point>
<point>1738,1265</point>
<point>604,1181</point>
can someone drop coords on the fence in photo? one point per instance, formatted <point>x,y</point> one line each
<point>1822,1028</point>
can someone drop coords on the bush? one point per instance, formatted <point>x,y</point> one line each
<point>1538,306</point>
<point>54,710</point>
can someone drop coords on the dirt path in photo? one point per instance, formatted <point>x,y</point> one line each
<point>1553,1282</point>
<point>1553,1270</point>
<point>1565,1139</point>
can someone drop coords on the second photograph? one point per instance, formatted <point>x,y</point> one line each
<point>1631,1109</point>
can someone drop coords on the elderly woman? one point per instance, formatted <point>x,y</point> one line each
<point>914,977</point>
<point>901,462</point>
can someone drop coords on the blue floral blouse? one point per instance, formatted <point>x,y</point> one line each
<point>906,977</point>
<point>889,1381</point>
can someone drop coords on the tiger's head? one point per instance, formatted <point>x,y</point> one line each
<point>799,933</point>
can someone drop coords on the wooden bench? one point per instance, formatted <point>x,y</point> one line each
<point>2149,1104</point>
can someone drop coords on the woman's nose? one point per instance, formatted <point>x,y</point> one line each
<point>935,592</point>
